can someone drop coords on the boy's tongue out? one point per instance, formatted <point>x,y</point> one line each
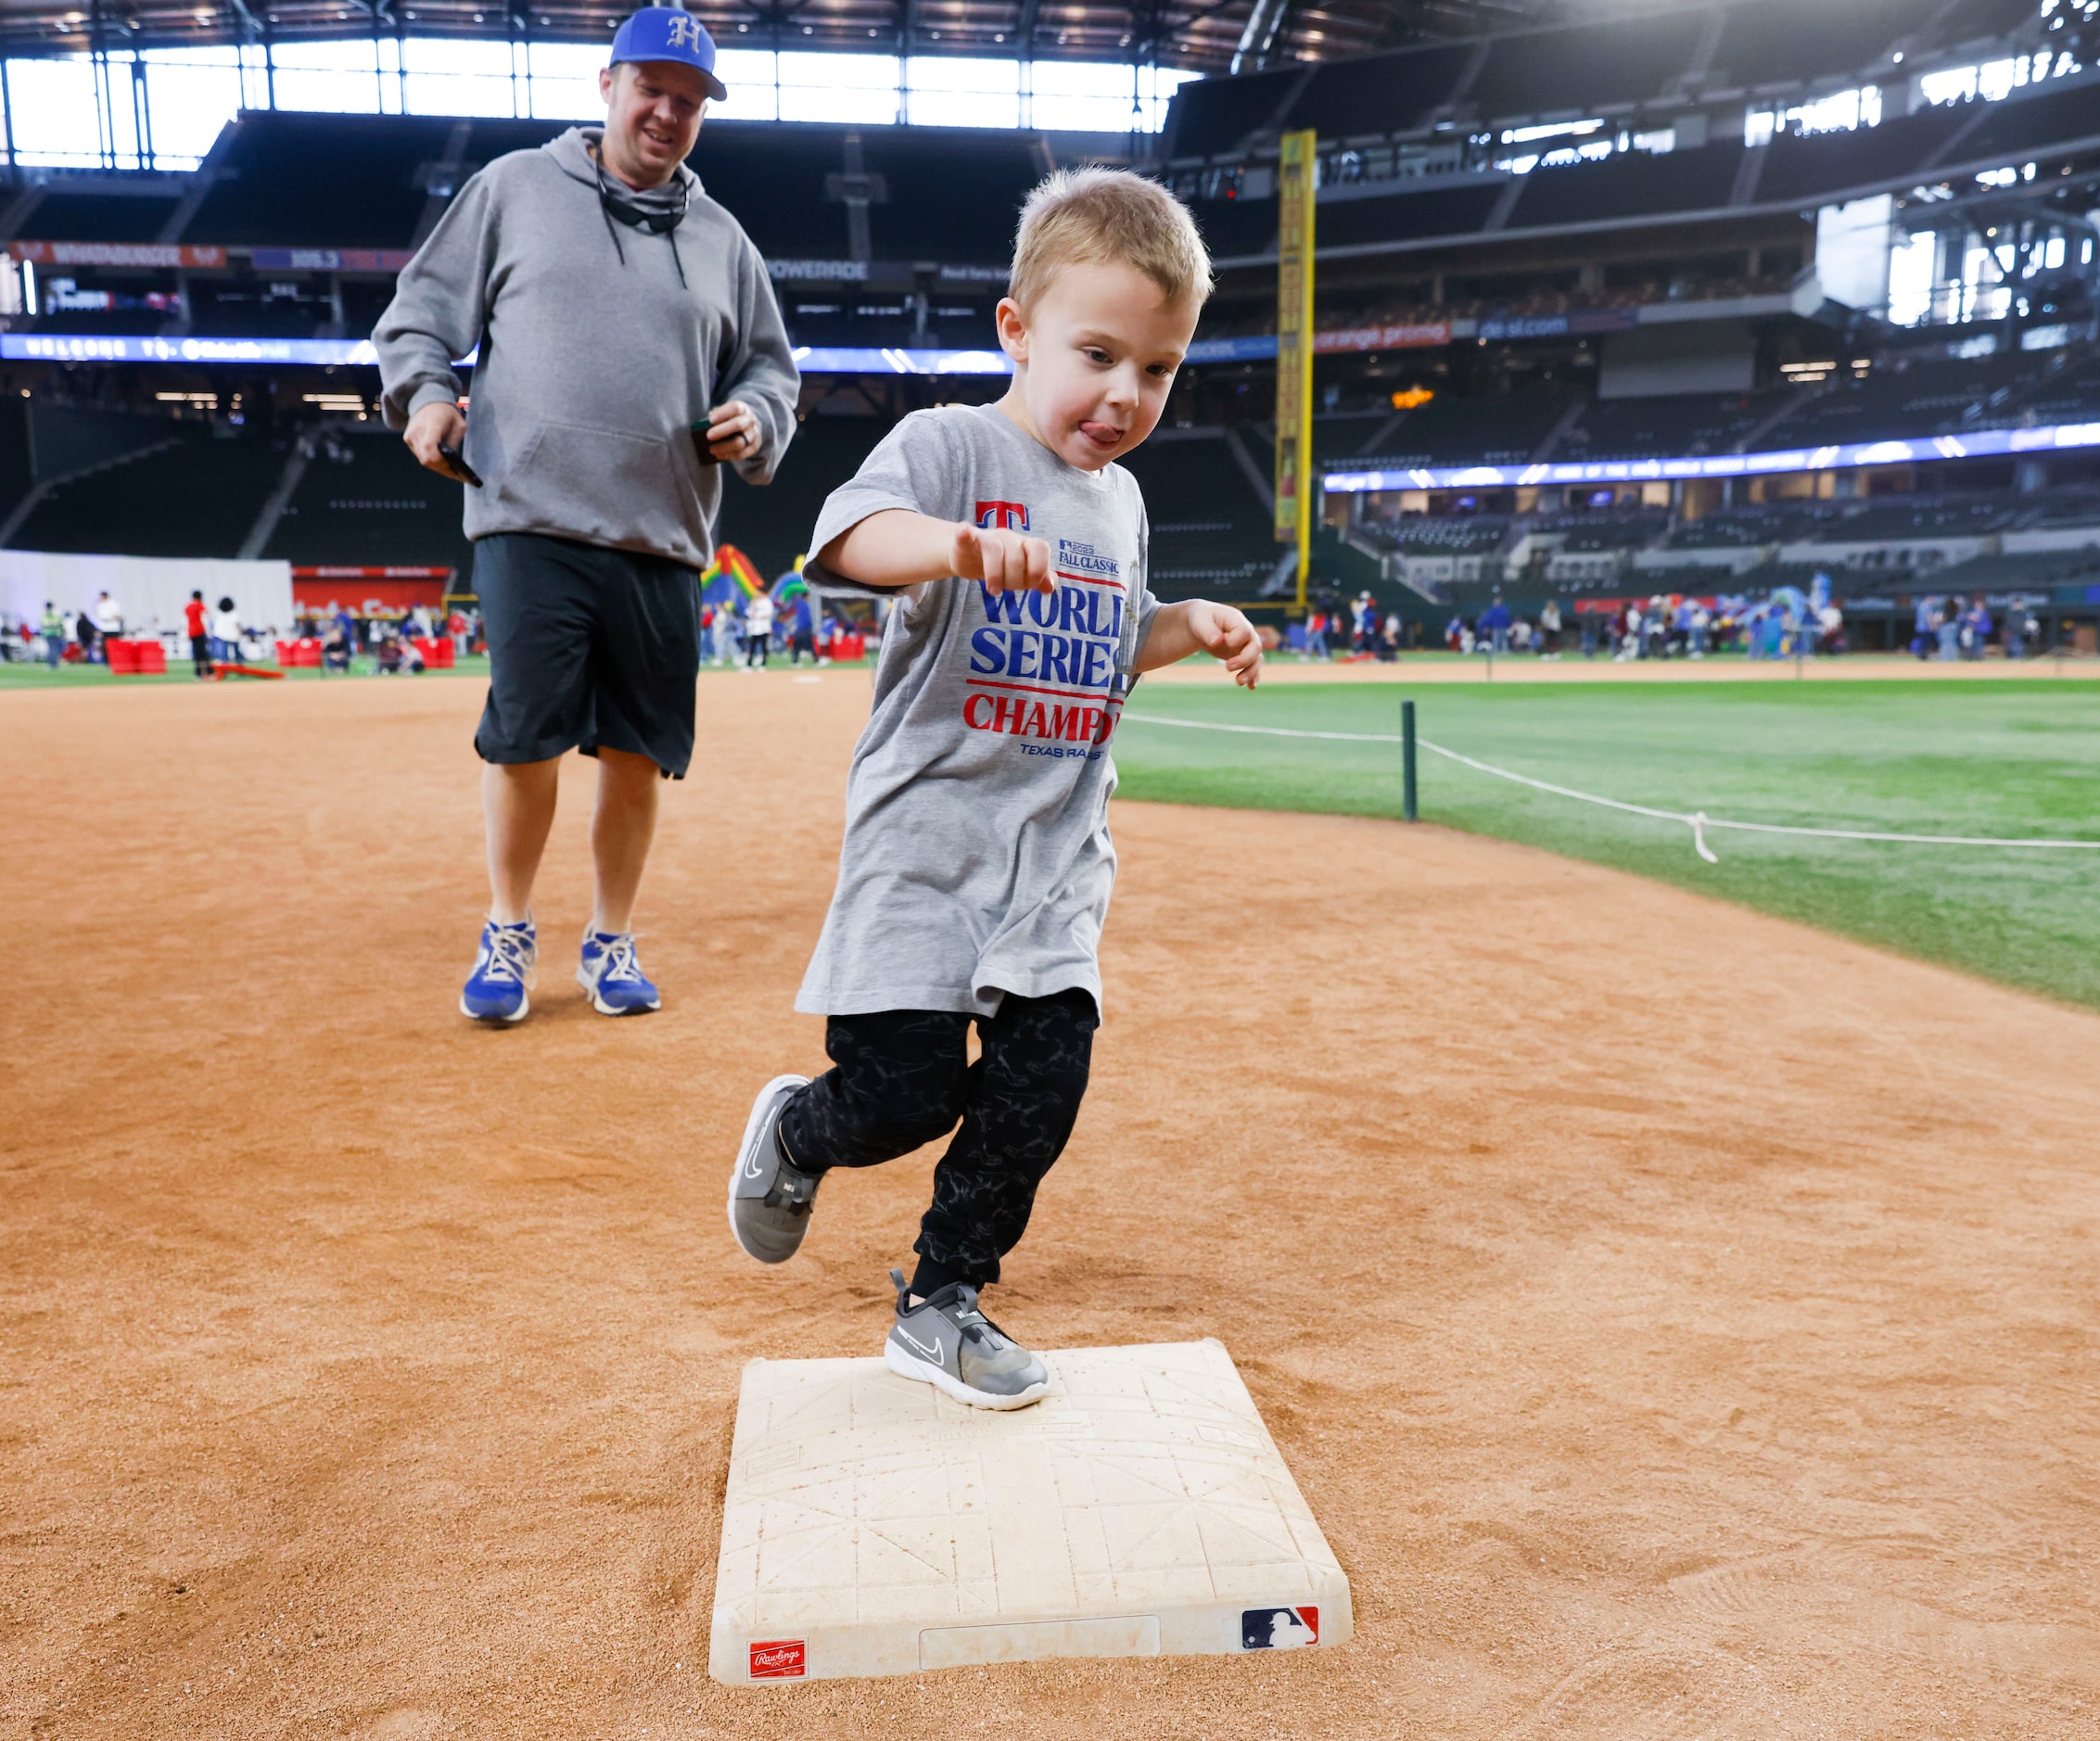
<point>1102,435</point>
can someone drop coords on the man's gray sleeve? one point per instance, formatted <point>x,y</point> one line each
<point>760,368</point>
<point>437,312</point>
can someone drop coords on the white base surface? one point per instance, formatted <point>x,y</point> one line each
<point>874,1526</point>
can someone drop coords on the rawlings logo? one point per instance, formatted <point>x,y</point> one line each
<point>777,1659</point>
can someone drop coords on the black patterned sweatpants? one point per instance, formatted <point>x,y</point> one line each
<point>901,1077</point>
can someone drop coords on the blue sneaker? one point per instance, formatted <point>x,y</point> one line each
<point>613,977</point>
<point>503,973</point>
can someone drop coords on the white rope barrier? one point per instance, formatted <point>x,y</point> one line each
<point>1697,821</point>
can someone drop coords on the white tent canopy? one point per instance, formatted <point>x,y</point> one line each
<point>150,591</point>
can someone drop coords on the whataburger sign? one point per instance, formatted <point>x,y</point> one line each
<point>116,254</point>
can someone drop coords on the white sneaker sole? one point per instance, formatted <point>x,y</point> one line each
<point>603,1007</point>
<point>909,1366</point>
<point>745,1149</point>
<point>524,1006</point>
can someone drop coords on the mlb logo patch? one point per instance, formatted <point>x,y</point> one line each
<point>777,1659</point>
<point>1279,1628</point>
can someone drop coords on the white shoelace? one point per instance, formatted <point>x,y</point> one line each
<point>511,954</point>
<point>619,957</point>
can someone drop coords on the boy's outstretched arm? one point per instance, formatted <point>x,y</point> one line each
<point>1198,625</point>
<point>897,548</point>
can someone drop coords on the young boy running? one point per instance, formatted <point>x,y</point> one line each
<point>976,868</point>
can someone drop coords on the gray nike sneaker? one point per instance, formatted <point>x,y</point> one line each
<point>769,1197</point>
<point>946,1342</point>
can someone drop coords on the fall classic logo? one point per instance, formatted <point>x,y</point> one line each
<point>1043,665</point>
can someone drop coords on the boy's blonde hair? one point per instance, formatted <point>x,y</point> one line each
<point>1080,215</point>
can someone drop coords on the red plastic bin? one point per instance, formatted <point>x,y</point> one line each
<point>136,658</point>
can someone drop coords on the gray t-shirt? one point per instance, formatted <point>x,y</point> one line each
<point>977,859</point>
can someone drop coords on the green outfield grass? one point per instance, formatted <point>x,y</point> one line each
<point>2011,758</point>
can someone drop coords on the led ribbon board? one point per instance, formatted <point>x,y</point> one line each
<point>1979,444</point>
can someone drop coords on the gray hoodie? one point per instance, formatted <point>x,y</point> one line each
<point>598,353</point>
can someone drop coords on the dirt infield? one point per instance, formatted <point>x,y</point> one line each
<point>1683,1323</point>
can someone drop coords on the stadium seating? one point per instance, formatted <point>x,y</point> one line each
<point>1742,529</point>
<point>1893,519</point>
<point>2067,391</point>
<point>320,181</point>
<point>17,453</point>
<point>2021,571</point>
<point>1898,517</point>
<point>63,217</point>
<point>1210,533</point>
<point>1665,427</point>
<point>1423,210</point>
<point>365,500</point>
<point>772,179</point>
<point>1604,531</point>
<point>1441,534</point>
<point>1491,429</point>
<point>983,175</point>
<point>1584,66</point>
<point>1923,397</point>
<point>1784,42</point>
<point>2039,116</point>
<point>197,496</point>
<point>1381,93</point>
<point>1800,166</point>
<point>1211,116</point>
<point>61,438</point>
<point>241,306</point>
<point>1628,183</point>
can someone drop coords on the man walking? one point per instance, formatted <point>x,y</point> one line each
<point>629,345</point>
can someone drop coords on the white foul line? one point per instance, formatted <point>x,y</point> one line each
<point>1697,821</point>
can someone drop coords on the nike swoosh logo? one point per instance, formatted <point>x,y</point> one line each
<point>933,1354</point>
<point>752,1169</point>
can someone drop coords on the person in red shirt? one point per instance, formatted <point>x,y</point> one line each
<point>199,643</point>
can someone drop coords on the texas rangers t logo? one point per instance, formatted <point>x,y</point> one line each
<point>1004,516</point>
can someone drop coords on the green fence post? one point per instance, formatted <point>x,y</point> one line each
<point>1408,760</point>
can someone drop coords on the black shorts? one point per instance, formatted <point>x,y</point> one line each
<point>588,648</point>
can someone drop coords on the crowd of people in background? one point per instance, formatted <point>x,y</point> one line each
<point>743,634</point>
<point>1952,628</point>
<point>1786,624</point>
<point>745,638</point>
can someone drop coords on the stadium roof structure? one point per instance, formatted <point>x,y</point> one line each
<point>1201,35</point>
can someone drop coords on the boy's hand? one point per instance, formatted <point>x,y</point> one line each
<point>1226,634</point>
<point>1005,561</point>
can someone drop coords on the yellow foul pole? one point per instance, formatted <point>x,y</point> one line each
<point>1297,177</point>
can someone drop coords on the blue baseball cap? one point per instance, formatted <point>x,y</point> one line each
<point>669,34</point>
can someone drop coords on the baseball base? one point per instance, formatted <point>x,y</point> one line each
<point>874,1526</point>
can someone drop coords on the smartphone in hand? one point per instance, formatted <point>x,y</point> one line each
<point>460,468</point>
